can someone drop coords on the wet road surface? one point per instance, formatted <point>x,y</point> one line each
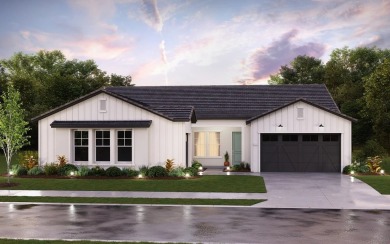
<point>193,224</point>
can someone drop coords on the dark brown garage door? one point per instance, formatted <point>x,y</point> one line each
<point>300,153</point>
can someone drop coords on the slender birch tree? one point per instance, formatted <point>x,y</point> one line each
<point>13,127</point>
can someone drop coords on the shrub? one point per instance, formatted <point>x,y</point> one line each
<point>191,171</point>
<point>15,169</point>
<point>347,170</point>
<point>67,168</point>
<point>130,172</point>
<point>370,148</point>
<point>169,165</point>
<point>177,172</point>
<point>143,170</point>
<point>374,164</point>
<point>248,166</point>
<point>196,164</point>
<point>113,171</point>
<point>386,164</point>
<point>97,171</point>
<point>35,171</point>
<point>83,171</point>
<point>156,171</point>
<point>28,159</point>
<point>22,171</point>
<point>62,160</point>
<point>51,169</point>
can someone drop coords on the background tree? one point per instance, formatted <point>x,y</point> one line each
<point>377,109</point>
<point>13,127</point>
<point>302,70</point>
<point>47,80</point>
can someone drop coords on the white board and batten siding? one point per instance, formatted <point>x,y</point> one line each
<point>163,140</point>
<point>313,117</point>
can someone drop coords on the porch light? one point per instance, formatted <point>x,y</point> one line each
<point>187,175</point>
<point>140,176</point>
<point>280,125</point>
<point>382,172</point>
<point>321,126</point>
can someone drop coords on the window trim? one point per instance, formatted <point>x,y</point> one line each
<point>74,144</point>
<point>95,146</point>
<point>117,146</point>
<point>207,144</point>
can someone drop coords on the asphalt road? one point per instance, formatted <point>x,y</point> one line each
<point>193,224</point>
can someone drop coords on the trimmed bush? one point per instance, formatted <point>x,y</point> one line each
<point>191,171</point>
<point>177,172</point>
<point>50,169</point>
<point>143,169</point>
<point>83,171</point>
<point>347,170</point>
<point>156,171</point>
<point>66,169</point>
<point>37,170</point>
<point>22,171</point>
<point>113,171</point>
<point>196,164</point>
<point>97,171</point>
<point>129,172</point>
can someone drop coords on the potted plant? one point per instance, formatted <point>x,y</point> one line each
<point>226,163</point>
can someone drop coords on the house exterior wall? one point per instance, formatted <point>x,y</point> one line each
<point>313,117</point>
<point>226,128</point>
<point>151,146</point>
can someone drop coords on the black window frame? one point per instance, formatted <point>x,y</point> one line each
<point>102,145</point>
<point>124,143</point>
<point>81,145</point>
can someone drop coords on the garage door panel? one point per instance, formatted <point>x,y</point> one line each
<point>301,153</point>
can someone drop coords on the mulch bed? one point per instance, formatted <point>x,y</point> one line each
<point>6,185</point>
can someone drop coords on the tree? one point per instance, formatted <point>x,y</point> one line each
<point>302,70</point>
<point>377,90</point>
<point>13,127</point>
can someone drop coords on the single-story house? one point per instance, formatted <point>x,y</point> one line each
<point>292,128</point>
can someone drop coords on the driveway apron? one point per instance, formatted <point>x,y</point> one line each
<point>320,190</point>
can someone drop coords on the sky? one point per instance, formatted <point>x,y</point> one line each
<point>192,42</point>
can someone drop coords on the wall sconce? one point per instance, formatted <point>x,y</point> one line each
<point>321,126</point>
<point>280,125</point>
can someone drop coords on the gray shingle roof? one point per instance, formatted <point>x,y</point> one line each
<point>226,102</point>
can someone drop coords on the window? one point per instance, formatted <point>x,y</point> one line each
<point>310,138</point>
<point>290,137</point>
<point>125,146</point>
<point>330,137</point>
<point>299,113</point>
<point>207,144</point>
<point>80,145</point>
<point>102,105</point>
<point>270,137</point>
<point>102,145</point>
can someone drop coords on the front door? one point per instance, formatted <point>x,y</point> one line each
<point>236,150</point>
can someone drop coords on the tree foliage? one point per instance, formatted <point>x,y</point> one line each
<point>46,80</point>
<point>345,75</point>
<point>13,127</point>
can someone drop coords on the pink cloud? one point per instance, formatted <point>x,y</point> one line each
<point>266,61</point>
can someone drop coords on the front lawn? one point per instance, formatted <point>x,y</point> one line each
<point>207,183</point>
<point>379,183</point>
<point>124,200</point>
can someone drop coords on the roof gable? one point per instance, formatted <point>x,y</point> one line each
<point>296,101</point>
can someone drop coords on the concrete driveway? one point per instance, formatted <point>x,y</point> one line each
<point>320,190</point>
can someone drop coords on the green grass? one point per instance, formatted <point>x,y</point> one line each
<point>379,183</point>
<point>207,183</point>
<point>167,201</point>
<point>14,241</point>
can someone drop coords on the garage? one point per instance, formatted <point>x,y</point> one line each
<point>300,152</point>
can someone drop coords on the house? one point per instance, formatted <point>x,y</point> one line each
<point>275,128</point>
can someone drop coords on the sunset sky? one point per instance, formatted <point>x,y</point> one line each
<point>192,42</point>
